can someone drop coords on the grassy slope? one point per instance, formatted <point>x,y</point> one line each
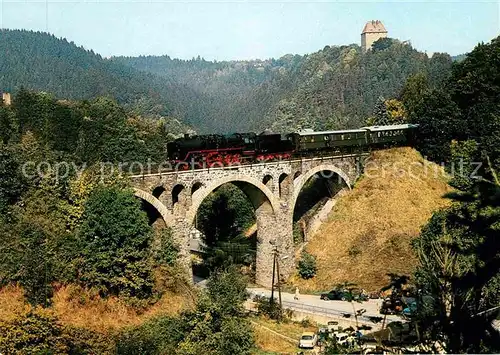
<point>368,233</point>
<point>268,342</point>
<point>77,307</point>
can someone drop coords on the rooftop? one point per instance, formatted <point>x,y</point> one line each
<point>374,26</point>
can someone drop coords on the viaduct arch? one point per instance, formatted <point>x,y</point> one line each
<point>273,188</point>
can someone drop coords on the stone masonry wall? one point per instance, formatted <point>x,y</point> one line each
<point>273,189</point>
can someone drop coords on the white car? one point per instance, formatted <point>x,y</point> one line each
<point>308,340</point>
<point>344,339</point>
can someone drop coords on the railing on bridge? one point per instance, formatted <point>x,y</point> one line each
<point>158,169</point>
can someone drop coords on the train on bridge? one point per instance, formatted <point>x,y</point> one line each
<point>243,148</point>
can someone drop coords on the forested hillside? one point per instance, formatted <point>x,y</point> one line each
<point>230,95</point>
<point>336,87</point>
<point>42,62</point>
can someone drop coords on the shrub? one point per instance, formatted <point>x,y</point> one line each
<point>354,251</point>
<point>167,251</point>
<point>265,307</point>
<point>157,336</point>
<point>307,266</point>
<point>84,341</point>
<point>305,323</point>
<point>35,331</point>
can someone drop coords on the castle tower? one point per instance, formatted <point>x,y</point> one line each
<point>373,31</point>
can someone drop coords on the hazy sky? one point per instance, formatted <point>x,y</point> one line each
<point>251,29</point>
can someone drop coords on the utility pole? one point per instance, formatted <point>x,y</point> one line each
<point>276,270</point>
<point>271,301</point>
<point>279,280</point>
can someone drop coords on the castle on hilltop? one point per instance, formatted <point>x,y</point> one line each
<point>373,31</point>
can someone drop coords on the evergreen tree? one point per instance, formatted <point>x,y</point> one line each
<point>35,269</point>
<point>11,183</point>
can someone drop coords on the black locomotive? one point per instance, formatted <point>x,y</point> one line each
<point>240,148</point>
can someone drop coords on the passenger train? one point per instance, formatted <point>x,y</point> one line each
<point>241,148</point>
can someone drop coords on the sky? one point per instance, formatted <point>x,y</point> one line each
<point>229,30</point>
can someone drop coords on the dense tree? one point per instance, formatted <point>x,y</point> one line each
<point>440,68</point>
<point>156,336</point>
<point>460,271</point>
<point>413,93</point>
<point>467,108</point>
<point>217,326</point>
<point>11,183</point>
<point>334,88</point>
<point>116,236</point>
<point>35,265</point>
<point>87,131</point>
<point>439,120</point>
<point>7,124</point>
<point>382,43</point>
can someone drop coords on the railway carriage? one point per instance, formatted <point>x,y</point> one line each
<point>390,135</point>
<point>311,141</point>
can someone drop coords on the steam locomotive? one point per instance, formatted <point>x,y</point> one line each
<point>240,148</point>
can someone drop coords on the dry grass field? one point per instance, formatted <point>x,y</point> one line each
<point>267,341</point>
<point>78,307</point>
<point>11,301</point>
<point>368,233</point>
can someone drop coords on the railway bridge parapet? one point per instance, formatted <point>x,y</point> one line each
<point>272,187</point>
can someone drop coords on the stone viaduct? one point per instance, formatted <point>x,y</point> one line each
<point>273,189</point>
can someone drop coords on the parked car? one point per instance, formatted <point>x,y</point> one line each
<point>308,340</point>
<point>345,339</point>
<point>360,295</point>
<point>391,306</point>
<point>335,294</point>
<point>344,295</point>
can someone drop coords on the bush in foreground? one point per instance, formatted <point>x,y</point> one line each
<point>307,266</point>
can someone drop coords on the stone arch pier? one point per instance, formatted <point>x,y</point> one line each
<point>273,189</point>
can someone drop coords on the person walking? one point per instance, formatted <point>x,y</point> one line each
<point>296,297</point>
